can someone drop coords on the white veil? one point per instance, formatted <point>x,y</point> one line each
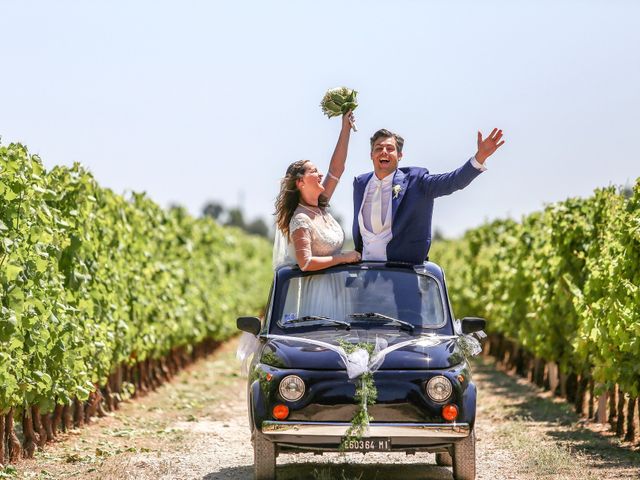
<point>281,250</point>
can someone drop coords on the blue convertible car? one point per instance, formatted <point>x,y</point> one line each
<point>332,337</point>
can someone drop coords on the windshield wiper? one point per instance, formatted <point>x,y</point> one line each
<point>315,320</point>
<point>383,318</point>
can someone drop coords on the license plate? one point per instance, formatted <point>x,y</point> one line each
<point>372,444</point>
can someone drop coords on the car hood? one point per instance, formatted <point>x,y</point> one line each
<point>300,352</point>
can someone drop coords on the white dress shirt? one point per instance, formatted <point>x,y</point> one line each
<point>477,165</point>
<point>375,244</point>
<point>386,184</point>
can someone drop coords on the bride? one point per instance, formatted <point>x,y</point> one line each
<point>313,238</point>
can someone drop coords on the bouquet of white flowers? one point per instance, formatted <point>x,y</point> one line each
<point>338,101</point>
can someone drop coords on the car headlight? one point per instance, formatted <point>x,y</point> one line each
<point>291,388</point>
<point>439,388</point>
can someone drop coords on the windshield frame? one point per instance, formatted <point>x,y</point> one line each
<point>283,276</point>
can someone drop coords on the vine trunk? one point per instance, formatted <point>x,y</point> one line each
<point>13,444</point>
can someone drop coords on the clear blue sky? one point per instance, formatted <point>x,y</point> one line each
<point>198,100</point>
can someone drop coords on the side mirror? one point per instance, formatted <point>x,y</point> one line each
<point>473,324</point>
<point>249,324</point>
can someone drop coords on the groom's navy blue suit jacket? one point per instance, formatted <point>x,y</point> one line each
<point>412,208</point>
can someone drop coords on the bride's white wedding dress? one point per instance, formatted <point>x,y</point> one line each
<point>313,233</point>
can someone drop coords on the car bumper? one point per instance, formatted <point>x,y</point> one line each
<point>392,430</point>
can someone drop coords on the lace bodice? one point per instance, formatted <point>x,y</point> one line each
<point>315,233</point>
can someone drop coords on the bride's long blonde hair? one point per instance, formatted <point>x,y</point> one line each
<point>289,197</point>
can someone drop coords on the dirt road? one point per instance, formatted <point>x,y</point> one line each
<point>196,428</point>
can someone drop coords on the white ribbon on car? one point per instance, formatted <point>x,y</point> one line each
<point>359,361</point>
<point>247,348</point>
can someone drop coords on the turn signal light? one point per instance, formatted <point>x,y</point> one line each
<point>280,412</point>
<point>450,412</point>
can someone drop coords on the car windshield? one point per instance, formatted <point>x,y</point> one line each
<point>386,296</point>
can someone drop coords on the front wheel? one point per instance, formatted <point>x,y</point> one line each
<point>464,458</point>
<point>444,459</point>
<point>264,457</point>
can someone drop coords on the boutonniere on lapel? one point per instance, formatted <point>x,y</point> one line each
<point>396,190</point>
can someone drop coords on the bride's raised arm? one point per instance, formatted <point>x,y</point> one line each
<point>339,157</point>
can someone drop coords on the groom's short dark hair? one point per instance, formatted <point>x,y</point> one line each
<point>384,133</point>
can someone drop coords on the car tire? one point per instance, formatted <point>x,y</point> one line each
<point>264,457</point>
<point>444,459</point>
<point>464,458</point>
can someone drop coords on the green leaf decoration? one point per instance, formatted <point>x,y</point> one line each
<point>366,394</point>
<point>338,101</point>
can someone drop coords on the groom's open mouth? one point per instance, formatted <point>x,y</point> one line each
<point>384,161</point>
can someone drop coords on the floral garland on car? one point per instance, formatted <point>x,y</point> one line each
<point>366,394</point>
<point>371,359</point>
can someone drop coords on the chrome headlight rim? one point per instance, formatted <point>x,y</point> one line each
<point>288,394</point>
<point>439,388</point>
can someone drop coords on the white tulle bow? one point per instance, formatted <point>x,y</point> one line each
<point>359,361</point>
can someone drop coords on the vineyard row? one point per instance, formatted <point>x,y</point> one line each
<point>560,287</point>
<point>103,296</point>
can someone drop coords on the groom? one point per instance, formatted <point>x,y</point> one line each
<point>393,206</point>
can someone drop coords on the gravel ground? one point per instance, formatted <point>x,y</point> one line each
<point>197,428</point>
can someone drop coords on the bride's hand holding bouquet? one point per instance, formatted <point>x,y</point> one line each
<point>340,101</point>
<point>312,237</point>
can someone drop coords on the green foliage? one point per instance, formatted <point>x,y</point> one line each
<point>8,472</point>
<point>564,283</point>
<point>234,217</point>
<point>338,101</point>
<point>89,279</point>
<point>366,394</point>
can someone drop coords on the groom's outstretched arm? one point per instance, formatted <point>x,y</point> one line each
<point>446,183</point>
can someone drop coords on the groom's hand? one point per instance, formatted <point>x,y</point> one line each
<point>489,145</point>
<point>350,257</point>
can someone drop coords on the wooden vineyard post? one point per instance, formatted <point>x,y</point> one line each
<point>2,441</point>
<point>602,407</point>
<point>554,379</point>
<point>631,429</point>
<point>620,419</point>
